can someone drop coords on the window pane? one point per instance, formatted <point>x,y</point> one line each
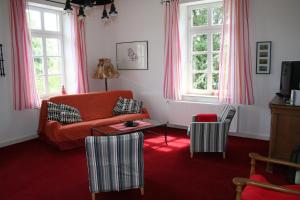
<point>200,17</point>
<point>217,16</point>
<point>39,66</point>
<point>54,65</point>
<point>215,81</point>
<point>216,61</point>
<point>200,43</point>
<point>37,46</point>
<point>34,19</point>
<point>53,47</point>
<point>200,62</point>
<point>216,41</point>
<point>40,85</point>
<point>200,81</point>
<point>51,21</point>
<point>54,84</point>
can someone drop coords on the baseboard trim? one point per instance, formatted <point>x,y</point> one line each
<point>18,140</point>
<point>251,136</point>
<point>243,135</point>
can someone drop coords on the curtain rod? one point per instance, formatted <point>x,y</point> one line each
<point>55,2</point>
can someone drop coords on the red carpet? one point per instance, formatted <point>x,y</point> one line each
<point>34,170</point>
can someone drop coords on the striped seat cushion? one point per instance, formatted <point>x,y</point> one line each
<point>115,162</point>
<point>227,113</point>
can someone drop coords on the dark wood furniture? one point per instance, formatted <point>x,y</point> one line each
<point>108,130</point>
<point>241,182</point>
<point>285,129</point>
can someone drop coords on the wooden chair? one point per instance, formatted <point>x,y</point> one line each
<point>115,162</point>
<point>265,189</point>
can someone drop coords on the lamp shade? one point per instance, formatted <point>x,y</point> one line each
<point>105,70</point>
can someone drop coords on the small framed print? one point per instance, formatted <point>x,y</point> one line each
<point>132,55</point>
<point>263,57</point>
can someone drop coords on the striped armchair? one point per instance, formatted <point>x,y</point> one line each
<point>211,136</point>
<point>115,162</point>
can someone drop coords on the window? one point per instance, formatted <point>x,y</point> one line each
<point>204,27</point>
<point>47,45</point>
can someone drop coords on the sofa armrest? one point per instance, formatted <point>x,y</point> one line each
<point>43,117</point>
<point>145,111</point>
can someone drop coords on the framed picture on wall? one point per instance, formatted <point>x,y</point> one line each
<point>132,55</point>
<point>263,57</point>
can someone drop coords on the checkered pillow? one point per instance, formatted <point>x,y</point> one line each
<point>127,106</point>
<point>63,113</point>
<point>132,106</point>
<point>117,110</point>
<point>53,111</point>
<point>69,114</point>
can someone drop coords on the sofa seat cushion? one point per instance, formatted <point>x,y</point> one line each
<point>252,192</point>
<point>72,132</point>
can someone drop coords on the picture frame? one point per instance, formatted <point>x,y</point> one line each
<point>263,57</point>
<point>132,55</point>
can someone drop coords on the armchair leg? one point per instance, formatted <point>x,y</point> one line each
<point>224,155</point>
<point>142,191</point>
<point>191,155</point>
<point>93,196</point>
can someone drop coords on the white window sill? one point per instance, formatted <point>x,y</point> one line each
<point>208,99</point>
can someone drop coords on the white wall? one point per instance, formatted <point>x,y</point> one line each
<point>274,20</point>
<point>14,125</point>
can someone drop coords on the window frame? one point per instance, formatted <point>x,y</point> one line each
<point>46,34</point>
<point>209,29</point>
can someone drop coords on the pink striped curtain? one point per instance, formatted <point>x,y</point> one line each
<point>172,55</point>
<point>80,54</point>
<point>235,81</point>
<point>25,95</point>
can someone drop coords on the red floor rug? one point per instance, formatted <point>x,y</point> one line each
<point>34,170</point>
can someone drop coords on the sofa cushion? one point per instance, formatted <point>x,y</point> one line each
<point>127,106</point>
<point>118,107</point>
<point>78,131</point>
<point>53,111</point>
<point>69,114</point>
<point>253,192</point>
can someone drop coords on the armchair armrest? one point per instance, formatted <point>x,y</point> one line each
<point>255,156</point>
<point>241,182</point>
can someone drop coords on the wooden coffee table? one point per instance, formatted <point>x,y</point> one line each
<point>120,129</point>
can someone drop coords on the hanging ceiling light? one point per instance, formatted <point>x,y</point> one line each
<point>86,4</point>
<point>81,14</point>
<point>113,11</point>
<point>105,16</point>
<point>68,8</point>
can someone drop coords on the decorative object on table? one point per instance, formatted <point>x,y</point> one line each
<point>132,55</point>
<point>263,57</point>
<point>86,4</point>
<point>131,124</point>
<point>2,71</point>
<point>105,70</point>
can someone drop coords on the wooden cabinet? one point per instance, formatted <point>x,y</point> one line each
<point>285,129</point>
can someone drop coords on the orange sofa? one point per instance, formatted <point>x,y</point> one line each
<point>95,110</point>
